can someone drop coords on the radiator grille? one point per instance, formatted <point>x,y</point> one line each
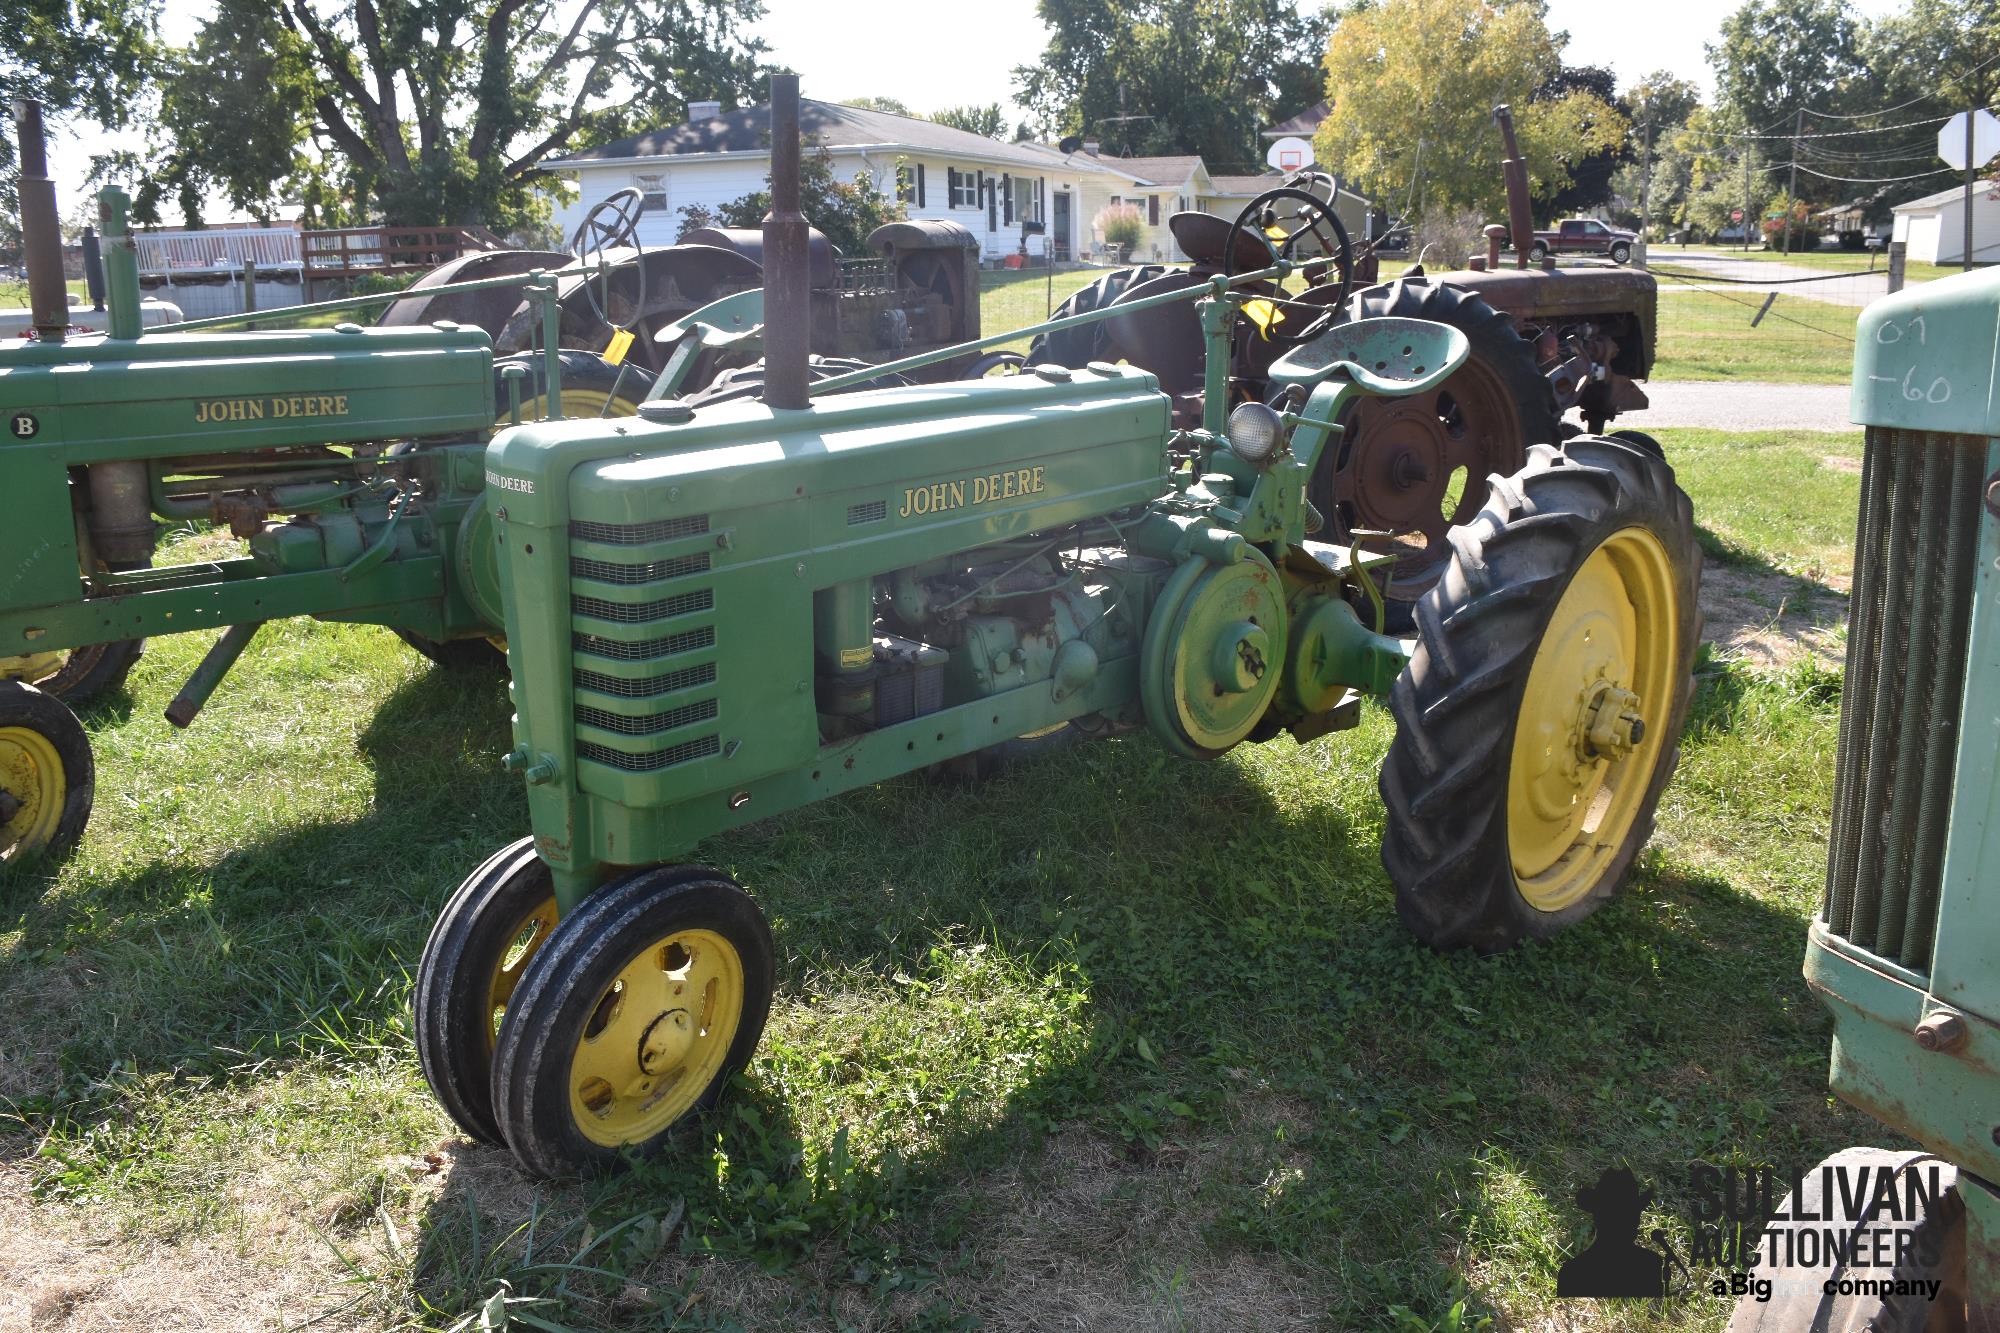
<point>684,679</point>
<point>1914,563</point>
<point>633,613</point>
<point>652,762</point>
<point>650,725</point>
<point>869,511</point>
<point>634,534</point>
<point>611,571</point>
<point>686,642</point>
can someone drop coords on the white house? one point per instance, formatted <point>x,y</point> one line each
<point>936,171</point>
<point>1934,226</point>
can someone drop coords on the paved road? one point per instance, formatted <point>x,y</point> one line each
<point>1737,405</point>
<point>1769,275</point>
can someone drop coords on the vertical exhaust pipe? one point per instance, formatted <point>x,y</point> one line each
<point>48,294</point>
<point>1520,216</point>
<point>787,282</point>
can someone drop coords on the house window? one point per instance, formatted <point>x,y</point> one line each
<point>1152,210</point>
<point>653,186</point>
<point>906,184</point>
<point>964,187</point>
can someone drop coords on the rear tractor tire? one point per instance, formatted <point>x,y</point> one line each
<point>47,775</point>
<point>1078,347</point>
<point>1540,716</point>
<point>632,1019</point>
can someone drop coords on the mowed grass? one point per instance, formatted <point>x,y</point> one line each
<point>1707,335</point>
<point>1837,261</point>
<point>1114,1040</point>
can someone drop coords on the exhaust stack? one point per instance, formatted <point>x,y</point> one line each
<point>41,239</point>
<point>787,282</point>
<point>1520,216</point>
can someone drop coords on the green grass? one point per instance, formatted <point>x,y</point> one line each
<point>1707,335</point>
<point>15,293</point>
<point>1113,1039</point>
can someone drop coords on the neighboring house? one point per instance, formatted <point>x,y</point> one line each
<point>1934,226</point>
<point>936,171</point>
<point>1158,187</point>
<point>1303,124</point>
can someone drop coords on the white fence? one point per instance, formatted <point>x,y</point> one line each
<point>170,252</point>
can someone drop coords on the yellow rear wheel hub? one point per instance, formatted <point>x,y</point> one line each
<point>34,787</point>
<point>1593,719</point>
<point>657,1037</point>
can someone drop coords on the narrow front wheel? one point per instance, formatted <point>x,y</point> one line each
<point>641,1006</point>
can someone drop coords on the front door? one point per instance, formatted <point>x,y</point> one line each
<point>1059,232</point>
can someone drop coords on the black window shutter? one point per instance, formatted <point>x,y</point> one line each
<point>1007,198</point>
<point>1152,210</point>
<point>920,185</point>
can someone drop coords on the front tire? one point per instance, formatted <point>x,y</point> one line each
<point>478,951</point>
<point>1537,252</point>
<point>48,778</point>
<point>1621,253</point>
<point>632,1019</point>
<point>1539,718</point>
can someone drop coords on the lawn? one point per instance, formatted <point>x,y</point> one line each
<point>1707,335</point>
<point>1114,1041</point>
<point>1839,261</point>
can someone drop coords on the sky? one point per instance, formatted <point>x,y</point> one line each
<point>845,50</point>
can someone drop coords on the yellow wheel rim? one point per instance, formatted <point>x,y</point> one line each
<point>33,668</point>
<point>31,773</point>
<point>1593,720</point>
<point>656,1038</point>
<point>523,942</point>
<point>576,403</point>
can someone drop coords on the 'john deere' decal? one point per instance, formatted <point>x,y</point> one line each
<point>208,411</point>
<point>940,496</point>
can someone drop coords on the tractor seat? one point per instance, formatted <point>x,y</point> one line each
<point>1392,356</point>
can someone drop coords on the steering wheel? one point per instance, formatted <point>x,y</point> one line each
<point>609,225</point>
<point>1315,218</point>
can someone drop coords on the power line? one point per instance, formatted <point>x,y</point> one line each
<point>1875,180</point>
<point>1921,97</point>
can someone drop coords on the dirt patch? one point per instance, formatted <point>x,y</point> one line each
<point>1837,463</point>
<point>63,1269</point>
<point>1771,620</point>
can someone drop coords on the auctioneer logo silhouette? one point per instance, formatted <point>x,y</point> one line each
<point>1615,1263</point>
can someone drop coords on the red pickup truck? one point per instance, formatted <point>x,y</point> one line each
<point>1584,236</point>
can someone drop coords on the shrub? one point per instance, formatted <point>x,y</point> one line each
<point>1120,225</point>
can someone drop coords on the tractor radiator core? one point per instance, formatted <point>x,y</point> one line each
<point>1914,565</point>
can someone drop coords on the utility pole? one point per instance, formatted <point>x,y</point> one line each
<point>1748,212</point>
<point>1645,187</point>
<point>1792,190</point>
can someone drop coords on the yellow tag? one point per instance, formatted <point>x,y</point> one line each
<point>1263,314</point>
<point>621,343</point>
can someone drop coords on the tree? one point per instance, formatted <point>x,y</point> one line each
<point>1777,57</point>
<point>888,104</point>
<point>434,111</point>
<point>987,120</point>
<point>1667,103</point>
<point>1420,78</point>
<point>845,210</point>
<point>1950,47</point>
<point>87,57</point>
<point>1589,184</point>
<point>1173,76</point>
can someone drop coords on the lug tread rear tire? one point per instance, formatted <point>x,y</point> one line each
<point>1445,781</point>
<point>1078,347</point>
<point>531,1061</point>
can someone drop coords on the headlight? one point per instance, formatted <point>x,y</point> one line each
<point>1253,433</point>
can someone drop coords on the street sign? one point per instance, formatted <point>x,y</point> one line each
<point>1290,155</point>
<point>1985,140</point>
<point>1735,215</point>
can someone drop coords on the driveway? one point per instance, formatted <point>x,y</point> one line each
<point>1741,405</point>
<point>1769,275</point>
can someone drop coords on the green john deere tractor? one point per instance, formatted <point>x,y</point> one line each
<point>718,613</point>
<point>1906,950</point>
